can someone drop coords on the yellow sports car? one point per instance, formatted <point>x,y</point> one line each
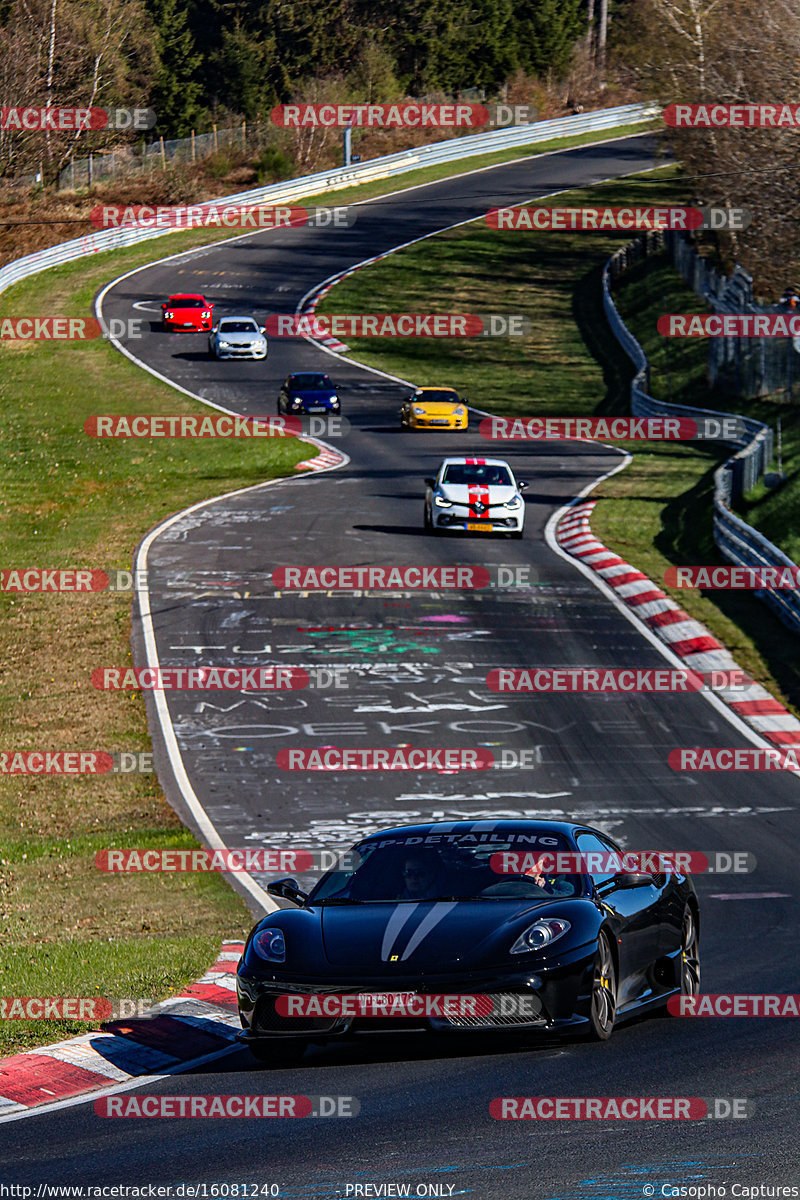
<point>434,408</point>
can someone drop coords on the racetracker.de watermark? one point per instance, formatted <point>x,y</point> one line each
<point>730,758</point>
<point>380,1005</point>
<point>220,216</point>
<point>397,325</point>
<point>609,429</point>
<point>728,1004</point>
<point>732,116</point>
<point>628,862</point>
<point>227,1106</point>
<point>713,578</point>
<point>414,115</point>
<point>595,220</point>
<point>383,578</point>
<point>73,1008</point>
<point>70,329</point>
<point>386,758</point>
<point>76,762</point>
<point>74,120</point>
<point>234,861</point>
<point>619,1108</point>
<point>734,325</point>
<point>203,679</point>
<point>621,680</point>
<point>218,425</point>
<point>400,577</point>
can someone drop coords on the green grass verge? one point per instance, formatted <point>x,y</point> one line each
<point>658,511</point>
<point>69,501</point>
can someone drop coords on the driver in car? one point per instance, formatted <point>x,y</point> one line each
<point>554,885</point>
<point>422,878</point>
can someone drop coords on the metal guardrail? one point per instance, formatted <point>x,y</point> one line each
<point>736,541</point>
<point>453,150</point>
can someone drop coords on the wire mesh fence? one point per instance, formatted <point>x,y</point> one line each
<point>146,158</point>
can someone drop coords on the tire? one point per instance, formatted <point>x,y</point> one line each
<point>603,1005</point>
<point>278,1053</point>
<point>690,954</point>
<point>427,520</point>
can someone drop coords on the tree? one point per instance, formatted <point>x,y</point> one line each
<point>176,91</point>
<point>704,51</point>
<point>546,32</point>
<point>84,54</point>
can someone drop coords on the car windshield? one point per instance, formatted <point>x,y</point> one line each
<point>238,327</point>
<point>486,474</point>
<point>437,396</point>
<point>309,382</point>
<point>448,866</point>
<point>186,302</point>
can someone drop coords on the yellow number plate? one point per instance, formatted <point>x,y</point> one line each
<point>477,527</point>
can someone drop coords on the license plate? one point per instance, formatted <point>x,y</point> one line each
<point>437,421</point>
<point>478,528</point>
<point>385,998</point>
<point>315,408</point>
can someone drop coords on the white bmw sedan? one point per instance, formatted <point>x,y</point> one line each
<point>237,337</point>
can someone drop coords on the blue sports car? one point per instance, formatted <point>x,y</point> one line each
<point>308,392</point>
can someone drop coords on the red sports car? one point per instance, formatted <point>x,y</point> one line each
<point>187,312</point>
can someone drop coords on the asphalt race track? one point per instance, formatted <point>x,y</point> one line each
<point>415,667</point>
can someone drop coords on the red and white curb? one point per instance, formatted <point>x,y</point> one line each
<point>331,343</point>
<point>685,637</point>
<point>327,458</point>
<point>200,1021</point>
<point>309,307</point>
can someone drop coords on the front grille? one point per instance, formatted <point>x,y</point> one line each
<point>267,1020</point>
<point>530,1015</point>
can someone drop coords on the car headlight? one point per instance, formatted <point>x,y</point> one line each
<point>206,316</point>
<point>440,502</point>
<point>261,344</point>
<point>168,316</point>
<point>458,412</point>
<point>334,400</point>
<point>417,411</point>
<point>515,503</point>
<point>270,945</point>
<point>539,935</point>
<point>223,345</point>
<point>296,402</point>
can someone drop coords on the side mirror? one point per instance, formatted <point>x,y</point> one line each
<point>628,879</point>
<point>521,484</point>
<point>431,483</point>
<point>287,889</point>
<point>262,329</point>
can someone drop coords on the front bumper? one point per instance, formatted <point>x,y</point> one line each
<point>495,521</point>
<point>557,996</point>
<point>241,352</point>
<point>438,423</point>
<point>186,326</point>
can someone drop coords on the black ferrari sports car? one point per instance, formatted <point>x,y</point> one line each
<point>420,912</point>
